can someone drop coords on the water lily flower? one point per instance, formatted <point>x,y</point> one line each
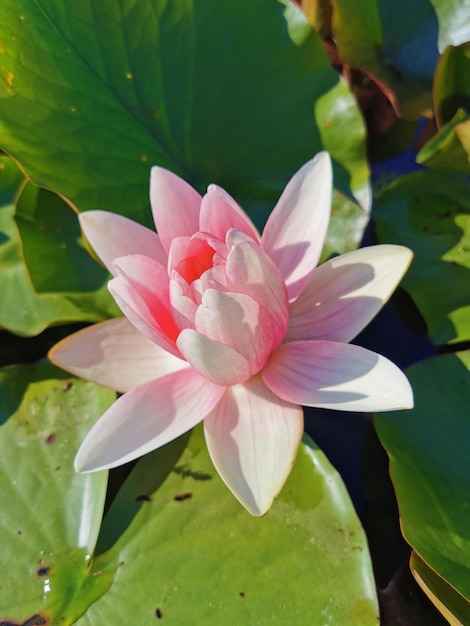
<point>233,328</point>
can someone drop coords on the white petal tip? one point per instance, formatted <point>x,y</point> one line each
<point>259,512</point>
<point>404,401</point>
<point>84,465</point>
<point>89,218</point>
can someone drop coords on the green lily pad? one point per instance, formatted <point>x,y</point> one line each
<point>449,149</point>
<point>95,93</point>
<point>192,554</point>
<point>175,543</point>
<point>428,449</point>
<point>50,517</point>
<point>429,212</point>
<point>394,45</point>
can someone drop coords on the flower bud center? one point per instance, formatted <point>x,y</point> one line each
<point>199,259</point>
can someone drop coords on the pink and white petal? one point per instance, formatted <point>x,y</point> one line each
<point>137,312</point>
<point>296,229</point>
<point>339,376</point>
<point>238,321</point>
<point>150,280</point>
<point>213,278</point>
<point>249,270</point>
<point>183,306</point>
<point>220,212</point>
<point>175,206</point>
<point>114,354</point>
<point>112,236</point>
<point>345,293</point>
<point>219,363</point>
<point>146,418</point>
<point>234,237</point>
<point>252,437</point>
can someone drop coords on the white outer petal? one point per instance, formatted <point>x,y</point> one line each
<point>113,236</point>
<point>114,354</point>
<point>346,292</point>
<point>252,437</point>
<point>146,418</point>
<point>296,229</point>
<point>338,376</point>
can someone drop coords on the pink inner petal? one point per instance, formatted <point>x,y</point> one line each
<point>183,306</point>
<point>137,312</point>
<point>220,212</point>
<point>219,363</point>
<point>175,206</point>
<point>238,321</point>
<point>199,259</point>
<point>250,271</point>
<point>150,280</point>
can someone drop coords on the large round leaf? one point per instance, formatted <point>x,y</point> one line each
<point>428,450</point>
<point>192,555</point>
<point>96,92</point>
<point>50,517</point>
<point>430,213</point>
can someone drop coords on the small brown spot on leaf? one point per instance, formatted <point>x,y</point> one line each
<point>158,613</point>
<point>43,571</point>
<point>180,497</point>
<point>66,385</point>
<point>50,439</point>
<point>242,594</point>
<point>143,498</point>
